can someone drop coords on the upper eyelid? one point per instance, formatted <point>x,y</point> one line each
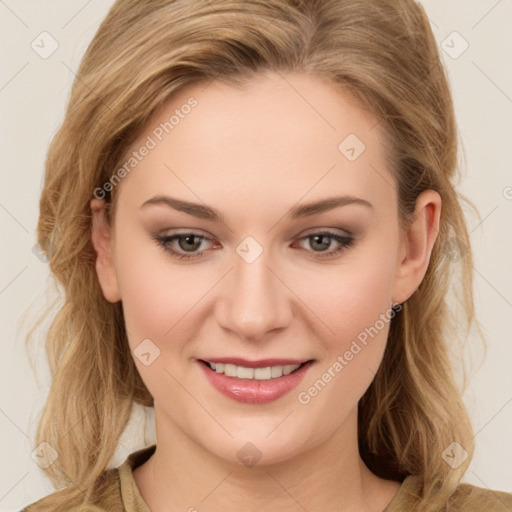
<point>315,231</point>
<point>308,232</point>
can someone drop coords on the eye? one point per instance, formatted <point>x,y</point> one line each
<point>187,242</point>
<point>184,246</point>
<point>319,241</point>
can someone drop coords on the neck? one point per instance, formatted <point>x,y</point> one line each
<point>183,475</point>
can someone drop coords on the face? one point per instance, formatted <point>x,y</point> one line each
<point>248,271</point>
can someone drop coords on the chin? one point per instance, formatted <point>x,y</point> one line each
<point>252,451</point>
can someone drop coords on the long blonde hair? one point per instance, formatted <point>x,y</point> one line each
<point>385,55</point>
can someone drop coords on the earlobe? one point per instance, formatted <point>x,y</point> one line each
<point>417,245</point>
<point>101,236</point>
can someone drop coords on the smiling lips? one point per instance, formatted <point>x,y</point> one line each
<point>254,381</point>
<point>264,369</point>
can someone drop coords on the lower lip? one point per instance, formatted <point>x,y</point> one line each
<point>252,391</point>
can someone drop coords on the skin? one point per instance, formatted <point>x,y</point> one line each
<point>253,154</point>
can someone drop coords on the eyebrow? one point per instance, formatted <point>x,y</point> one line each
<point>301,211</point>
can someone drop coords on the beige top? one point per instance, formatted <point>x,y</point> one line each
<point>119,493</point>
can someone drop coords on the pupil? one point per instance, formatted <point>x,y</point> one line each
<point>188,239</point>
<point>315,237</point>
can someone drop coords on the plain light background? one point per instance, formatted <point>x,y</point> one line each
<point>476,45</point>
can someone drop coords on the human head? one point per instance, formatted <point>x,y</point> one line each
<point>179,44</point>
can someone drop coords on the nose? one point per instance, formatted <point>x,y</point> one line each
<point>255,299</point>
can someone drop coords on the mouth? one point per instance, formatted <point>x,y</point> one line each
<point>257,370</point>
<point>253,382</point>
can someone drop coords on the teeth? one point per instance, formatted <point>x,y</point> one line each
<point>242,372</point>
<point>264,373</point>
<point>229,370</point>
<point>289,368</point>
<point>276,371</point>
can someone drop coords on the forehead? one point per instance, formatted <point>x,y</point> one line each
<point>279,136</point>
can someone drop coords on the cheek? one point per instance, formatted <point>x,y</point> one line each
<point>351,296</point>
<point>160,302</point>
<point>155,295</point>
<point>354,302</point>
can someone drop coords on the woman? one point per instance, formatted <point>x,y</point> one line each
<point>250,208</point>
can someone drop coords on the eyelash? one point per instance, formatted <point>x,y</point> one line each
<point>165,242</point>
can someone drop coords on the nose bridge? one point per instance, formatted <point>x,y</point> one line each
<point>255,300</point>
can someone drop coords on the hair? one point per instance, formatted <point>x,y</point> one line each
<point>383,54</point>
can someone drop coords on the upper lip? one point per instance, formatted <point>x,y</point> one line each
<point>260,363</point>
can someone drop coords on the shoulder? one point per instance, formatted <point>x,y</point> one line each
<point>465,498</point>
<point>113,491</point>
<point>470,498</point>
<point>106,497</point>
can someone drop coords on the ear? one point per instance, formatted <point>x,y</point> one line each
<point>416,246</point>
<point>101,234</point>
